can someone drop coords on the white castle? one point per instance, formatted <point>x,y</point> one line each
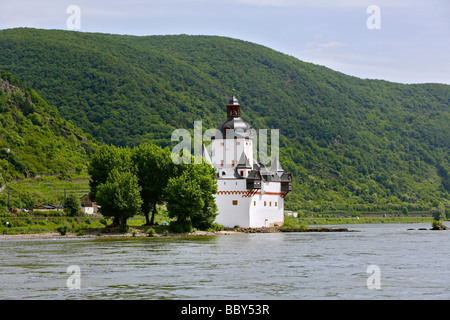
<point>249,194</point>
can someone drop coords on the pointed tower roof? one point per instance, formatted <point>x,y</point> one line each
<point>243,161</point>
<point>276,165</point>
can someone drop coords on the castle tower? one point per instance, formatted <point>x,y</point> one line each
<point>249,194</point>
<point>233,138</point>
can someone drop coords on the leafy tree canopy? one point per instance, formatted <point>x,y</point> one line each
<point>119,197</point>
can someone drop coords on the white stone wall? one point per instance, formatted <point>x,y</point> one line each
<point>88,210</point>
<point>236,209</point>
<point>233,207</point>
<point>267,207</point>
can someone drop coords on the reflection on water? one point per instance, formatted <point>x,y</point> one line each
<point>413,263</point>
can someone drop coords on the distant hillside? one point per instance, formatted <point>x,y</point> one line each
<point>34,139</point>
<point>351,144</point>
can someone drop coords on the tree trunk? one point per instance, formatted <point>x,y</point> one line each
<point>147,219</point>
<point>145,209</point>
<point>153,214</point>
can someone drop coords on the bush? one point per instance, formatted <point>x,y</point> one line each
<point>180,227</point>
<point>62,230</point>
<point>18,223</point>
<point>216,227</point>
<point>438,212</point>
<point>71,205</point>
<point>437,225</point>
<point>151,232</point>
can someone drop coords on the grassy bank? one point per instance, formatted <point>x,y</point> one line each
<point>305,221</point>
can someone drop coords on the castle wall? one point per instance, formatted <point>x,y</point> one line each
<point>236,208</point>
<point>233,207</point>
<point>267,207</point>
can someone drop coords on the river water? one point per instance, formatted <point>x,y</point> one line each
<point>411,264</point>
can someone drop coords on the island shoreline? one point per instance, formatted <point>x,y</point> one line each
<point>135,233</point>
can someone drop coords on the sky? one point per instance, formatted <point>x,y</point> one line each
<point>405,41</point>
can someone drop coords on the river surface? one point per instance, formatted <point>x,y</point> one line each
<point>409,264</point>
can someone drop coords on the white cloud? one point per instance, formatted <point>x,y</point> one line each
<point>320,46</point>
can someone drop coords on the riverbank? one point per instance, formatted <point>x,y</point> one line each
<point>94,229</point>
<point>139,232</point>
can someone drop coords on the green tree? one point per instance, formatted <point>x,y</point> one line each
<point>72,205</point>
<point>119,197</point>
<point>184,200</point>
<point>438,212</point>
<point>154,167</point>
<point>190,197</point>
<point>205,176</point>
<point>106,159</point>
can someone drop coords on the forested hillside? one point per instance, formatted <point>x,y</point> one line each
<point>34,139</point>
<point>351,144</point>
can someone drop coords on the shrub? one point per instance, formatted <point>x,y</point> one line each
<point>62,230</point>
<point>216,227</point>
<point>71,205</point>
<point>41,222</point>
<point>438,212</point>
<point>18,223</point>
<point>180,227</point>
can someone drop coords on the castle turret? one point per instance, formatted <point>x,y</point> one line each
<point>233,137</point>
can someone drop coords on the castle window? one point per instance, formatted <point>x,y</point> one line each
<point>242,172</point>
<point>270,203</point>
<point>221,163</point>
<point>235,202</point>
<point>276,204</point>
<point>264,203</point>
<point>254,203</point>
<point>232,163</point>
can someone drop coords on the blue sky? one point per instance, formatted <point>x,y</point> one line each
<point>412,44</point>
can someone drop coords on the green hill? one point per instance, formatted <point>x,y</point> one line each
<point>351,144</point>
<point>35,140</point>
